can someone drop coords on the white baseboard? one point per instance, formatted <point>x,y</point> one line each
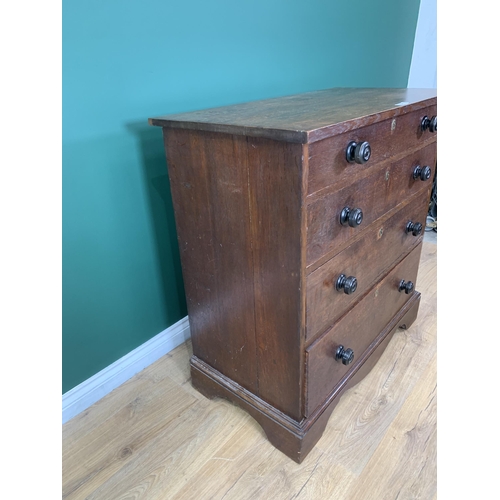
<point>91,390</point>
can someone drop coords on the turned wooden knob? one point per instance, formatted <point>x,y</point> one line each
<point>348,284</point>
<point>414,228</point>
<point>422,173</point>
<point>406,286</point>
<point>351,216</point>
<point>358,152</point>
<point>344,355</point>
<point>430,124</point>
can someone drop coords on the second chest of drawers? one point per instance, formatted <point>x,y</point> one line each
<point>299,221</point>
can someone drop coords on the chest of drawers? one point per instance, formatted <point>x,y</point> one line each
<point>300,221</point>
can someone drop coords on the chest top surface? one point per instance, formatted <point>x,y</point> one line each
<point>306,117</point>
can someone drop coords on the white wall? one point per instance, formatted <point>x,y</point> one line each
<point>423,69</point>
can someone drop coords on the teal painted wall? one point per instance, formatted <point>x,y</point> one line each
<point>125,61</point>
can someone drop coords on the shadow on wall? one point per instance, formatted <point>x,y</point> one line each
<point>157,183</point>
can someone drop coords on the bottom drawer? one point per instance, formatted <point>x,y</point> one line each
<point>356,330</point>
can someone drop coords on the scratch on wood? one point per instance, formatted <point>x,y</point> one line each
<point>240,476</point>
<point>428,404</point>
<point>310,475</point>
<point>390,373</point>
<point>393,366</point>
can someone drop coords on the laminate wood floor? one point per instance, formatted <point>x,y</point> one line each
<point>155,437</point>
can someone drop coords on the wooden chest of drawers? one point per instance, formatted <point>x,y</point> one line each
<point>300,221</point>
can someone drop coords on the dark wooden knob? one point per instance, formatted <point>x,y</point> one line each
<point>351,216</point>
<point>348,284</point>
<point>430,124</point>
<point>358,152</point>
<point>344,355</point>
<point>414,228</point>
<point>422,173</point>
<point>433,125</point>
<point>406,286</point>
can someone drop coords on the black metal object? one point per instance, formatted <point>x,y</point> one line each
<point>358,152</point>
<point>344,355</point>
<point>349,284</point>
<point>351,216</point>
<point>406,286</point>
<point>422,173</point>
<point>414,228</point>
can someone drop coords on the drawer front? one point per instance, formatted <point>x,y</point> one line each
<point>367,259</point>
<point>327,158</point>
<point>375,194</point>
<point>356,330</point>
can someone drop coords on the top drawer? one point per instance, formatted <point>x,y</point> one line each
<point>328,166</point>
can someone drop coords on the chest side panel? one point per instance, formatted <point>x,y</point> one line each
<point>208,178</point>
<point>237,204</point>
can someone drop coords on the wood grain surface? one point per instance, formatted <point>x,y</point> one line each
<point>356,330</point>
<point>237,208</point>
<point>218,280</point>
<point>389,139</point>
<point>306,117</point>
<point>387,239</point>
<point>375,192</point>
<point>155,437</point>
